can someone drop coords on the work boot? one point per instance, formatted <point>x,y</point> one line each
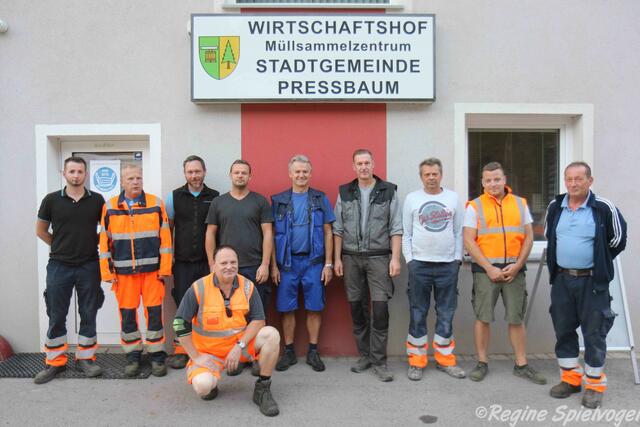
<point>382,373</point>
<point>592,399</point>
<point>211,395</point>
<point>454,371</point>
<point>479,372</point>
<point>238,370</point>
<point>158,369</point>
<point>48,373</point>
<point>361,365</point>
<point>132,368</point>
<point>564,390</point>
<point>313,359</point>
<point>263,398</point>
<point>287,359</point>
<point>255,368</point>
<point>178,361</point>
<point>89,367</point>
<point>528,373</point>
<point>414,373</point>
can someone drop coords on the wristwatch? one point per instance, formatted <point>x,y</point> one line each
<point>242,345</point>
<point>328,266</point>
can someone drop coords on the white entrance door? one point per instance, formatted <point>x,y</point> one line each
<point>104,162</point>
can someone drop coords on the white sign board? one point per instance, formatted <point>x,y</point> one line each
<point>306,57</point>
<point>105,177</point>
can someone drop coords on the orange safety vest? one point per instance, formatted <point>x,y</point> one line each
<point>500,226</point>
<point>136,240</point>
<point>213,331</point>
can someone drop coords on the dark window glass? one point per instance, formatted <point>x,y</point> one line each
<point>531,162</point>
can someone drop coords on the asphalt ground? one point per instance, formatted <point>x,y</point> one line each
<point>335,397</point>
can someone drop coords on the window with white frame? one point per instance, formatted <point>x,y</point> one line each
<point>530,158</point>
<point>571,123</point>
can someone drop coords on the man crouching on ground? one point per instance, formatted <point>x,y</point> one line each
<point>220,322</point>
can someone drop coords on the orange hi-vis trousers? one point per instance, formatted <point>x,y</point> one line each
<point>128,289</point>
<point>575,376</point>
<point>442,351</point>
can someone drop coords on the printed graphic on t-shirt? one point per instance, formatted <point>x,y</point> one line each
<point>434,216</point>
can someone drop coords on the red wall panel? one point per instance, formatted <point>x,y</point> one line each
<point>328,134</point>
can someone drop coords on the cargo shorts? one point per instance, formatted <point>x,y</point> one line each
<point>485,296</point>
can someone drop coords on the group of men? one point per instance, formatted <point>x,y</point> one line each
<point>228,249</point>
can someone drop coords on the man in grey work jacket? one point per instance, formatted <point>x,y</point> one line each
<point>367,246</point>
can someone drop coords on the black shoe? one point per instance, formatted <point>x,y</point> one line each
<point>211,395</point>
<point>178,361</point>
<point>564,390</point>
<point>263,398</point>
<point>287,359</point>
<point>89,367</point>
<point>238,370</point>
<point>313,359</point>
<point>48,373</point>
<point>592,399</point>
<point>132,368</point>
<point>255,368</point>
<point>158,369</point>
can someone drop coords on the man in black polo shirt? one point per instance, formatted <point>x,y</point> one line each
<point>187,209</point>
<point>73,213</point>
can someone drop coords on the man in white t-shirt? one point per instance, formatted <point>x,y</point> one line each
<point>432,246</point>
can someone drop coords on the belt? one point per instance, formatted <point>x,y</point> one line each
<point>576,272</point>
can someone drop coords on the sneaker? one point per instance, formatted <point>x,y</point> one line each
<point>89,367</point>
<point>454,371</point>
<point>211,395</point>
<point>592,399</point>
<point>48,373</point>
<point>132,369</point>
<point>564,390</point>
<point>158,369</point>
<point>238,370</point>
<point>255,368</point>
<point>361,365</point>
<point>528,373</point>
<point>414,373</point>
<point>313,359</point>
<point>263,398</point>
<point>287,359</point>
<point>178,361</point>
<point>382,373</point>
<point>479,372</point>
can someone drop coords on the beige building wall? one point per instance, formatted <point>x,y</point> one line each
<point>113,62</point>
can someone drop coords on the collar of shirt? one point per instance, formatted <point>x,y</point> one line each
<point>63,193</point>
<point>234,285</point>
<point>565,201</point>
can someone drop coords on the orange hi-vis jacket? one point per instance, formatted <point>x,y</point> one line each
<point>212,331</point>
<point>500,226</point>
<point>136,240</point>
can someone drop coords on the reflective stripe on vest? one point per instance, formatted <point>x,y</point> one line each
<point>211,329</point>
<point>501,229</point>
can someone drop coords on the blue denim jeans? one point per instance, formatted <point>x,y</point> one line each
<point>442,278</point>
